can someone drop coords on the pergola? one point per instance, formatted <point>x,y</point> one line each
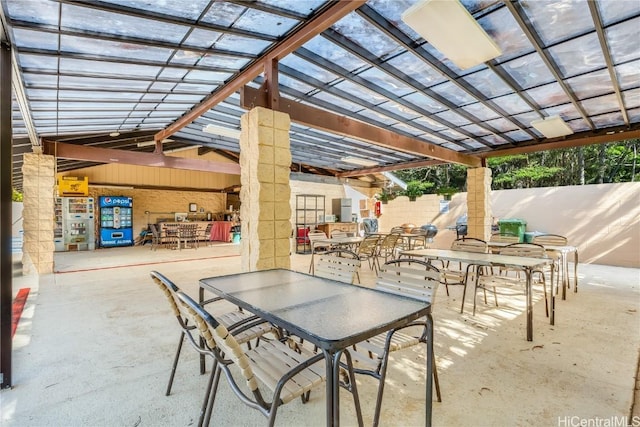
<point>124,80</point>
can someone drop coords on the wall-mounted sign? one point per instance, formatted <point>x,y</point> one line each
<point>73,186</point>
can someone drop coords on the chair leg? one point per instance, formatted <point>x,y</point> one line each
<point>212,389</point>
<point>435,379</point>
<point>175,364</point>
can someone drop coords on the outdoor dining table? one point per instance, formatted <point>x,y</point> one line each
<point>527,264</point>
<point>331,315</point>
<point>564,252</point>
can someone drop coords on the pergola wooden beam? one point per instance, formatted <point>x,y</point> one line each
<point>330,122</point>
<point>577,140</point>
<point>304,33</point>
<point>394,167</point>
<point>106,155</point>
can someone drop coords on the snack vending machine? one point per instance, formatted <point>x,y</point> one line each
<point>74,228</point>
<point>116,221</point>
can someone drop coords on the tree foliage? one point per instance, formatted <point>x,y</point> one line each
<point>591,164</point>
<point>16,196</point>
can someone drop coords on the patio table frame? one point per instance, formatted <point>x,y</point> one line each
<point>305,306</point>
<point>527,264</point>
<point>564,252</point>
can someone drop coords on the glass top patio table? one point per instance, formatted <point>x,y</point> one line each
<point>329,314</point>
<point>564,252</point>
<point>527,264</point>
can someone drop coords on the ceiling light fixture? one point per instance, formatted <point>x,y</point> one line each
<point>552,127</point>
<point>359,161</point>
<point>114,134</point>
<point>450,28</point>
<point>222,131</point>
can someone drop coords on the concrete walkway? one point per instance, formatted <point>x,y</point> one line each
<point>96,341</point>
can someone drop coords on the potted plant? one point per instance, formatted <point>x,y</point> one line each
<point>446,192</point>
<point>385,195</point>
<point>414,189</point>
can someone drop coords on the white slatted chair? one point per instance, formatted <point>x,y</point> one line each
<point>410,278</point>
<point>317,246</point>
<point>459,273</point>
<point>553,240</point>
<point>339,264</point>
<point>287,374</point>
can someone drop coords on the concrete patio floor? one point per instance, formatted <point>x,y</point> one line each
<point>96,341</point>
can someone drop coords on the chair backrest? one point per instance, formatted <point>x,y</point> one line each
<point>317,235</point>
<point>368,246</point>
<point>504,238</point>
<point>169,289</point>
<point>550,239</point>
<point>397,230</point>
<point>340,264</point>
<point>524,249</point>
<point>409,277</point>
<point>389,242</point>
<point>339,234</point>
<point>218,340</point>
<point>154,231</point>
<point>469,245</point>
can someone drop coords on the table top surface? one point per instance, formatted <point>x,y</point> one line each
<point>344,240</point>
<point>330,314</point>
<point>564,248</point>
<point>479,258</point>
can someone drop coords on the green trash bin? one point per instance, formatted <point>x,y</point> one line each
<point>513,226</point>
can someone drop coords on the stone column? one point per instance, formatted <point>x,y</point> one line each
<point>38,216</point>
<point>265,212</point>
<point>479,215</point>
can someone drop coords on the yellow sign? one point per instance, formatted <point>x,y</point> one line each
<point>73,186</point>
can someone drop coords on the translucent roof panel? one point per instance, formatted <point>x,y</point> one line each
<point>569,16</point>
<point>191,9</point>
<point>331,52</point>
<point>90,68</point>
<point>364,34</point>
<point>84,19</point>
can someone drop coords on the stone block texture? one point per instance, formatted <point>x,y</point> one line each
<point>38,221</point>
<point>265,212</point>
<point>479,215</point>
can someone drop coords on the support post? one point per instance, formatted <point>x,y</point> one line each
<point>265,212</point>
<point>6,275</point>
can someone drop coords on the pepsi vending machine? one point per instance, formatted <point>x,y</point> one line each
<point>116,221</point>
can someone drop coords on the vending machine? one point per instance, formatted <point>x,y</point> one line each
<point>74,224</point>
<point>116,221</point>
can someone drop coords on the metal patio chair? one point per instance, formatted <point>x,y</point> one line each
<point>368,249</point>
<point>457,273</point>
<point>286,373</point>
<point>338,264</point>
<point>554,240</point>
<point>231,320</point>
<point>411,278</point>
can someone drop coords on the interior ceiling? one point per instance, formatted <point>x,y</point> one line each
<point>152,70</point>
